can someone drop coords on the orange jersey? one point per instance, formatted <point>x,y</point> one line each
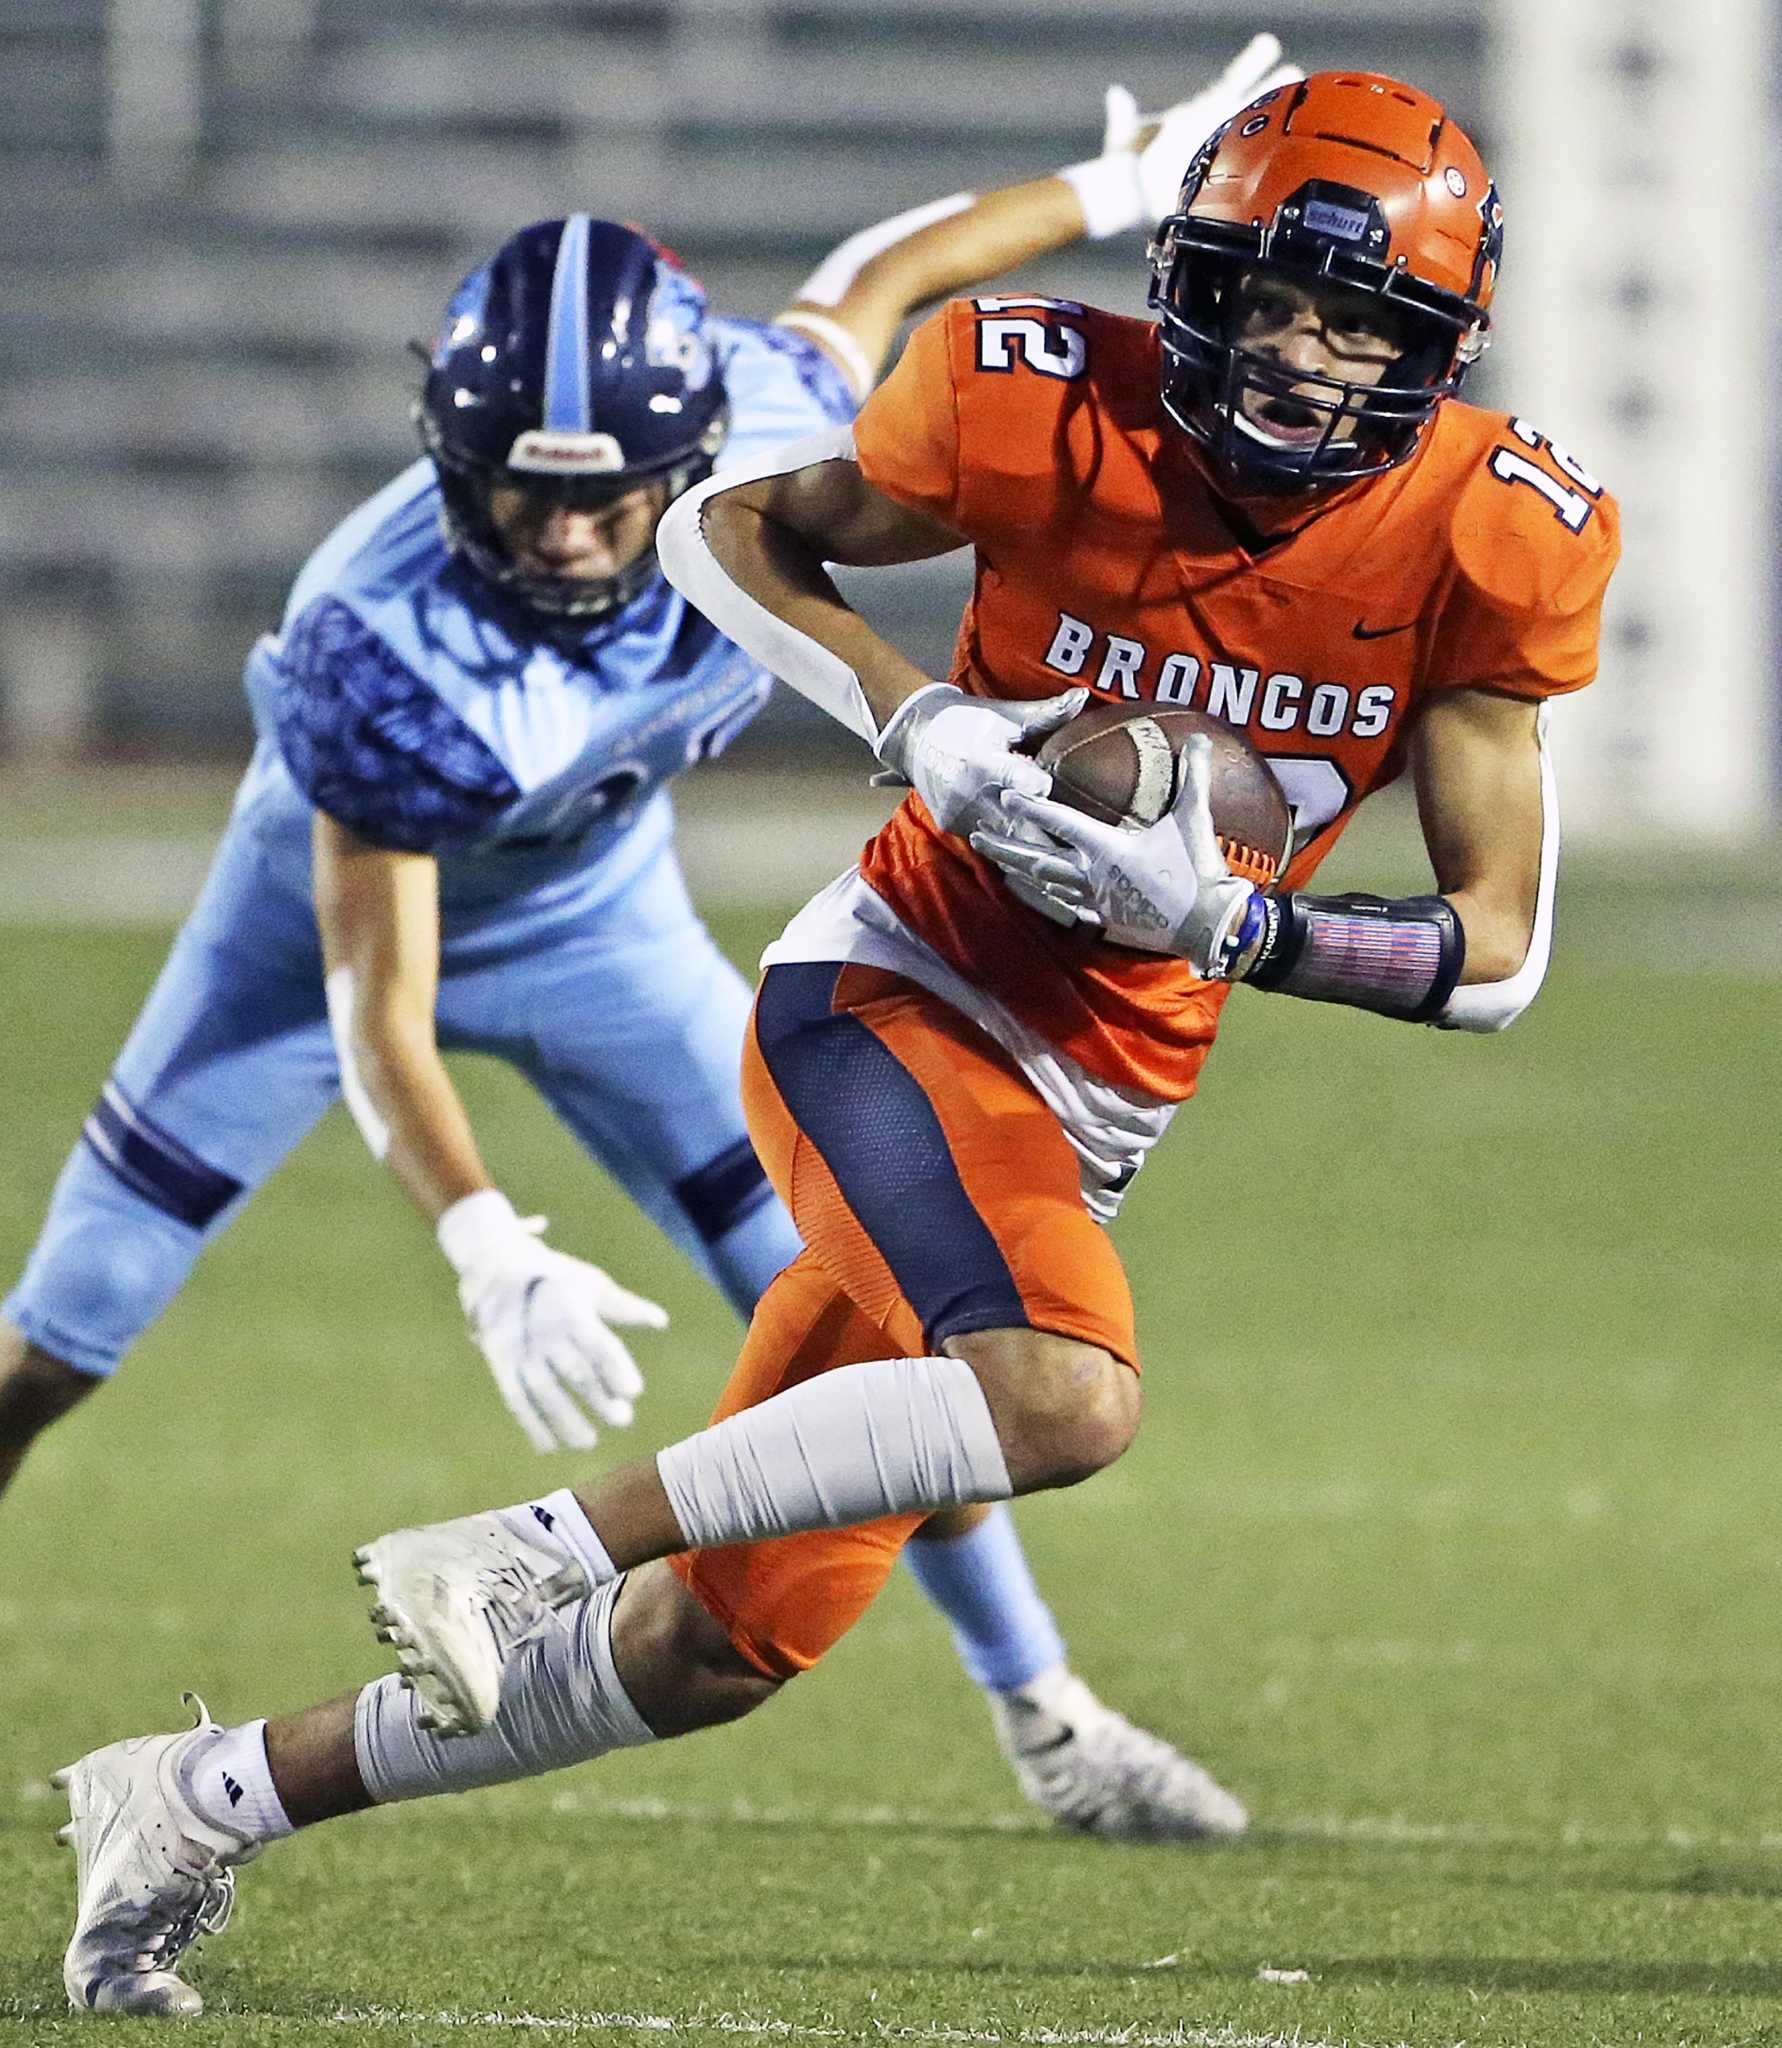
<point>1103,557</point>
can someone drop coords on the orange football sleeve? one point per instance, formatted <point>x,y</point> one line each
<point>1524,612</point>
<point>906,436</point>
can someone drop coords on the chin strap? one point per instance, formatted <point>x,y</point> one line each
<point>1399,955</point>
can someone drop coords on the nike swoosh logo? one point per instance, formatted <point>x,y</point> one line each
<point>1366,632</point>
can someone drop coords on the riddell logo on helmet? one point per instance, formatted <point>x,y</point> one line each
<point>544,452</point>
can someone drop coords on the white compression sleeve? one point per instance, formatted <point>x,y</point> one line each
<point>561,1703</point>
<point>689,564</point>
<point>849,1446</point>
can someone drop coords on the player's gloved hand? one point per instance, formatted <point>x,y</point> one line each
<point>958,751</point>
<point>1163,889</point>
<point>1135,180</point>
<point>542,1319</point>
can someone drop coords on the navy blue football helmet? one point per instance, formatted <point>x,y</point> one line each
<point>577,365</point>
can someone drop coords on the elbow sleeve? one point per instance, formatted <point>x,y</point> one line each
<point>688,562</point>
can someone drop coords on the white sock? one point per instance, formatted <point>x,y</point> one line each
<point>852,1445</point>
<point>230,1783</point>
<point>561,1703</point>
<point>1046,1690</point>
<point>557,1522</point>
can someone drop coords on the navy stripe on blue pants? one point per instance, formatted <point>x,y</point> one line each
<point>154,1163</point>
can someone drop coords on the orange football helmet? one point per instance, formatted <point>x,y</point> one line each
<point>1344,176</point>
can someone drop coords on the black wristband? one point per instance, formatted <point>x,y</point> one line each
<point>1401,956</point>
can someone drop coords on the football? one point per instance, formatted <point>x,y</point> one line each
<point>1125,764</point>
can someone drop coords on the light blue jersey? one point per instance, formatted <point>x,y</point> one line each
<point>427,712</point>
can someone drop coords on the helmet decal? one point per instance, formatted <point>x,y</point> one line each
<point>1491,245</point>
<point>1347,223</point>
<point>675,336</point>
<point>546,451</point>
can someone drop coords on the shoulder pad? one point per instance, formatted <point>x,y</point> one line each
<point>1533,538</point>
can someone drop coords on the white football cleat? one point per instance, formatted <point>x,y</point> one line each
<point>153,1874</point>
<point>458,1599</point>
<point>1091,1769</point>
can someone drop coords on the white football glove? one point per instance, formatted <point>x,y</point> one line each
<point>958,751</point>
<point>1135,180</point>
<point>1163,889</point>
<point>541,1318</point>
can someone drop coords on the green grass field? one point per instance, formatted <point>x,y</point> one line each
<point>1451,1542</point>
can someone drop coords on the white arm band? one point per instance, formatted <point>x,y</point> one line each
<point>372,1128</point>
<point>1493,1005</point>
<point>852,359</point>
<point>832,279</point>
<point>689,564</point>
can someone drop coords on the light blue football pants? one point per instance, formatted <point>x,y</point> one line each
<point>615,1004</point>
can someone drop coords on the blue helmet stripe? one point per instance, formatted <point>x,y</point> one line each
<point>567,406</point>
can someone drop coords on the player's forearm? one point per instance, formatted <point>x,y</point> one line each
<point>1497,935</point>
<point>991,234</point>
<point>994,234</point>
<point>429,1145</point>
<point>861,293</point>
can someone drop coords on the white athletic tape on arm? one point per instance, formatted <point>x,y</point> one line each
<point>830,282</point>
<point>854,362</point>
<point>372,1128</point>
<point>813,670</point>
<point>1493,1005</point>
<point>849,1446</point>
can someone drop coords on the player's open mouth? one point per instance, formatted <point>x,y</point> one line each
<point>1281,418</point>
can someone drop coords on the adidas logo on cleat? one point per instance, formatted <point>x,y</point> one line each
<point>232,1788</point>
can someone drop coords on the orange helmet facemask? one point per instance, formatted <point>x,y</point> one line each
<point>1347,177</point>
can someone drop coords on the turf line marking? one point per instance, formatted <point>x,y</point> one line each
<point>755,2026</point>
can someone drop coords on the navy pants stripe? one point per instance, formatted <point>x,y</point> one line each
<point>878,1134</point>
